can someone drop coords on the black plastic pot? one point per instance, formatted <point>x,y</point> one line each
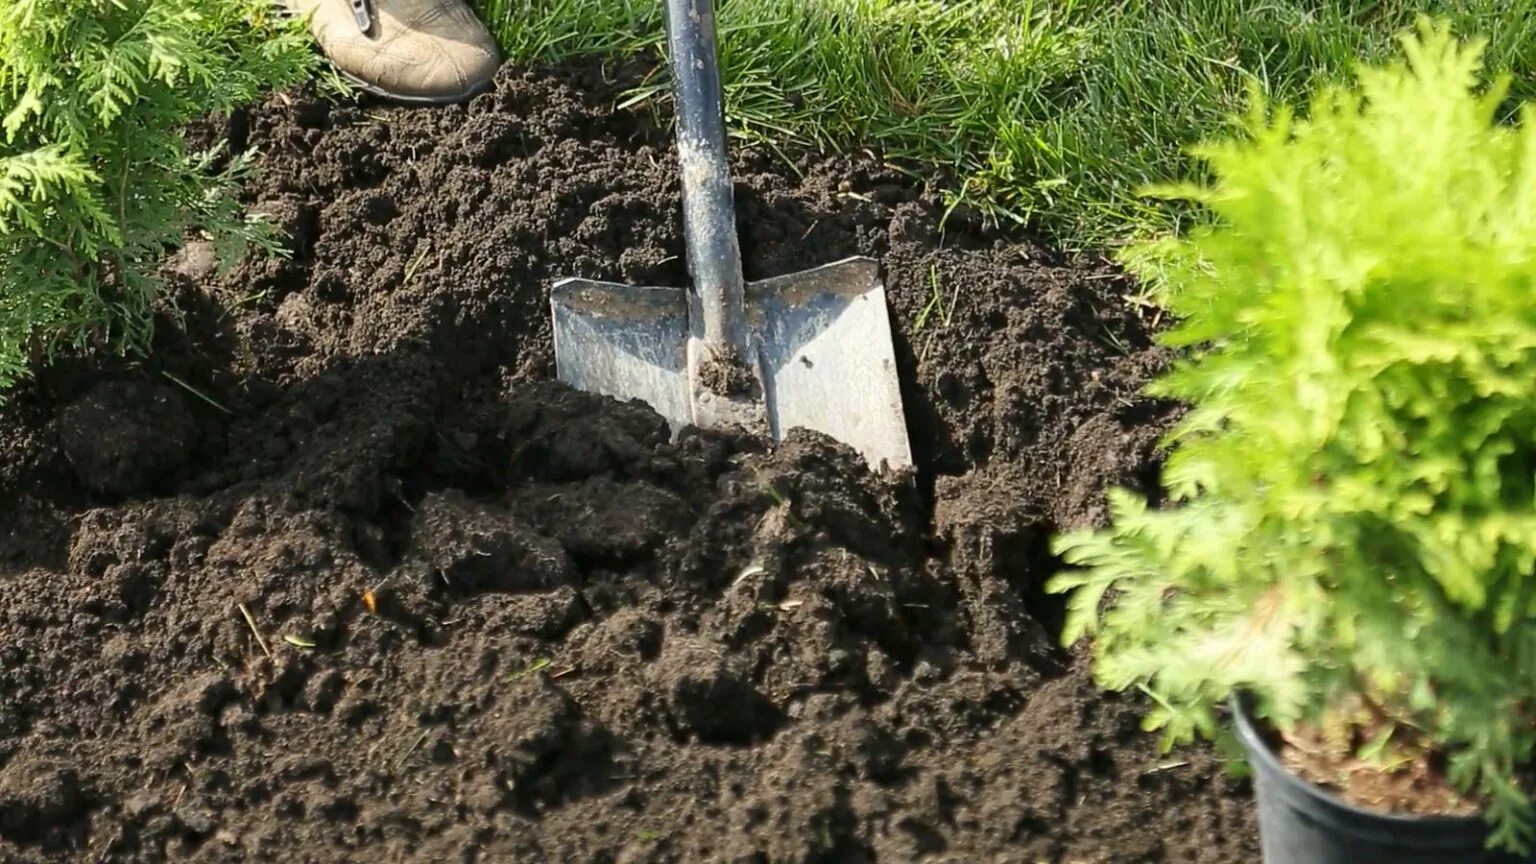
<point>1301,823</point>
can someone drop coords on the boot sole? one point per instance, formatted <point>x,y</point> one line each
<point>410,99</point>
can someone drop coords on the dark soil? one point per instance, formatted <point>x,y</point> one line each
<point>491,619</point>
<point>727,373</point>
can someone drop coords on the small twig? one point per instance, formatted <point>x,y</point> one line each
<point>537,666</point>
<point>420,739</point>
<point>415,264</point>
<point>196,392</point>
<point>254,631</point>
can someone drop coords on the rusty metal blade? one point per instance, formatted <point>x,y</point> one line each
<point>827,358</point>
<point>624,341</point>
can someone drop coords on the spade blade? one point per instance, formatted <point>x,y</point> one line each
<point>819,342</point>
<point>624,341</point>
<point>827,359</point>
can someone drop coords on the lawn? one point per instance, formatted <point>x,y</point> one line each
<point>1049,112</point>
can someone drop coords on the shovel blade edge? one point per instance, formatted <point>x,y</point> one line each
<point>828,359</point>
<point>625,341</point>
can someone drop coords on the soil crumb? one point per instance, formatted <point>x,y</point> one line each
<point>727,374</point>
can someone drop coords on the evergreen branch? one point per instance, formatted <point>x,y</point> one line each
<point>93,166</point>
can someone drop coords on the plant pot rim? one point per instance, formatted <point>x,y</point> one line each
<point>1295,788</point>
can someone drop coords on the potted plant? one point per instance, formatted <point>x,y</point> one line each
<point>1346,557</point>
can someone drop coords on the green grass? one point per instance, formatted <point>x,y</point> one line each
<point>1051,113</point>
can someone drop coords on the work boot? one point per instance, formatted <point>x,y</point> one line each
<point>411,50</point>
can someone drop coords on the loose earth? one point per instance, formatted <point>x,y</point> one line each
<point>337,572</point>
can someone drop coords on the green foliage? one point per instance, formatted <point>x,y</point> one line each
<point>1053,112</point>
<point>95,178</point>
<point>1353,492</point>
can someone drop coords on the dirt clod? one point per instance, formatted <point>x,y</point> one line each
<point>726,373</point>
<point>125,437</point>
<point>36,796</point>
<point>475,548</point>
<point>709,698</point>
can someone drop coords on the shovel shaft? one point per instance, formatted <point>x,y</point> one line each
<point>709,210</point>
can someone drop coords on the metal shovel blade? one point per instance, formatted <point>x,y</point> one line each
<point>624,341</point>
<point>824,353</point>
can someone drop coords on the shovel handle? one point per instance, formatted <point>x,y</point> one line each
<point>709,207</point>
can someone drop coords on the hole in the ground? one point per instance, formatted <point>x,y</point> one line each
<point>1025,559</point>
<point>1049,609</point>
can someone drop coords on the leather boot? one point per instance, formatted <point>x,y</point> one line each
<point>432,51</point>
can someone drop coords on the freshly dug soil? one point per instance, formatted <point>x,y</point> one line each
<point>338,574</point>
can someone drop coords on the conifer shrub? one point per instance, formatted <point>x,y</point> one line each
<point>1351,498</point>
<point>96,179</point>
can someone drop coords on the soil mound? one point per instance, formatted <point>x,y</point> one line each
<point>337,574</point>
